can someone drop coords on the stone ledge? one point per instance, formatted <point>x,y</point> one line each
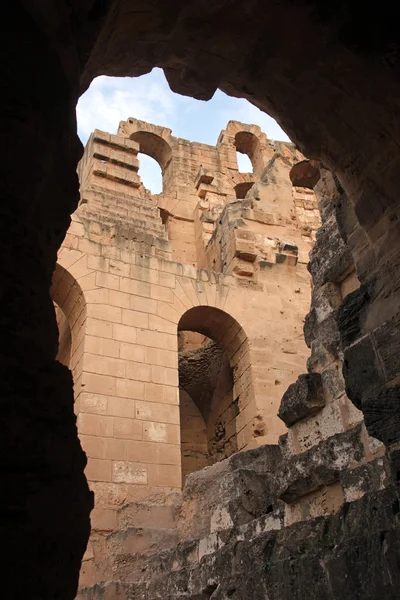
<point>304,398</point>
<point>320,466</point>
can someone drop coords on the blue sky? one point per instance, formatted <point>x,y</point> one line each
<point>110,100</point>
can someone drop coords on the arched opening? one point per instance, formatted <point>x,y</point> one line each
<point>248,145</point>
<point>305,174</point>
<point>214,377</point>
<point>241,189</point>
<point>70,309</point>
<point>159,150</point>
<point>150,173</point>
<point>244,163</point>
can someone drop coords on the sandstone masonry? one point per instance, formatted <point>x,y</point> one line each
<point>220,257</point>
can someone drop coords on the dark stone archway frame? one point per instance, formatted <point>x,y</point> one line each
<point>330,76</point>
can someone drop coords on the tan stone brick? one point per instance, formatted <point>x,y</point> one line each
<point>156,339</point>
<point>116,298</point>
<point>105,365</point>
<point>168,454</point>
<point>86,282</point>
<point>97,328</point>
<point>124,333</point>
<point>93,446</point>
<point>129,472</point>
<point>102,346</point>
<point>132,352</point>
<point>143,274</point>
<point>118,267</point>
<point>156,356</point>
<point>127,388</point>
<point>98,470</point>
<point>166,279</point>
<point>115,449</point>
<point>95,425</point>
<point>98,263</point>
<point>93,403</point>
<point>102,519</point>
<point>165,475</point>
<point>109,495</point>
<point>168,312</point>
<point>107,280</point>
<point>154,411</point>
<point>154,392</point>
<point>137,288</point>
<point>98,384</point>
<point>161,432</point>
<point>128,429</point>
<point>164,375</point>
<point>97,296</point>
<point>67,257</point>
<point>189,289</point>
<point>121,407</point>
<point>135,318</point>
<point>138,371</point>
<point>182,296</point>
<point>89,247</point>
<point>141,304</point>
<point>157,323</point>
<point>161,293</point>
<point>104,312</point>
<point>145,452</point>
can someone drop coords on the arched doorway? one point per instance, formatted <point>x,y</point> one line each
<point>215,385</point>
<point>70,308</point>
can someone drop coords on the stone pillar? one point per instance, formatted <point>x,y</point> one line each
<point>45,501</point>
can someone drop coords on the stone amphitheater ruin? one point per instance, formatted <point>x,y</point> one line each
<point>206,406</point>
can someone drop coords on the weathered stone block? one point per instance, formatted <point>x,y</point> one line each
<point>351,315</point>
<point>387,340</point>
<point>319,466</point>
<point>370,477</point>
<point>303,399</point>
<point>310,326</point>
<point>382,414</point>
<point>361,370</point>
<point>330,258</point>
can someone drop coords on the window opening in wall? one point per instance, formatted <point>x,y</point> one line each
<point>207,408</point>
<point>150,173</point>
<point>214,372</point>
<point>70,312</point>
<point>241,189</point>
<point>244,163</point>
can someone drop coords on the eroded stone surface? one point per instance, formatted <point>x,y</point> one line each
<point>303,399</point>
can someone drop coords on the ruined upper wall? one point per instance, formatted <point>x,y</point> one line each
<point>200,181</point>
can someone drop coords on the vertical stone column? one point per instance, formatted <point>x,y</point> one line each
<point>45,502</point>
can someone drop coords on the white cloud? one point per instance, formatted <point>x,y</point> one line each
<point>110,100</point>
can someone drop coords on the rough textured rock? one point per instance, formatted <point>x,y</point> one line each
<point>319,466</point>
<point>303,399</point>
<point>335,260</point>
<point>229,494</point>
<point>347,553</point>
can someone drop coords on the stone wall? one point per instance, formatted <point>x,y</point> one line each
<point>272,518</point>
<point>243,284</point>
